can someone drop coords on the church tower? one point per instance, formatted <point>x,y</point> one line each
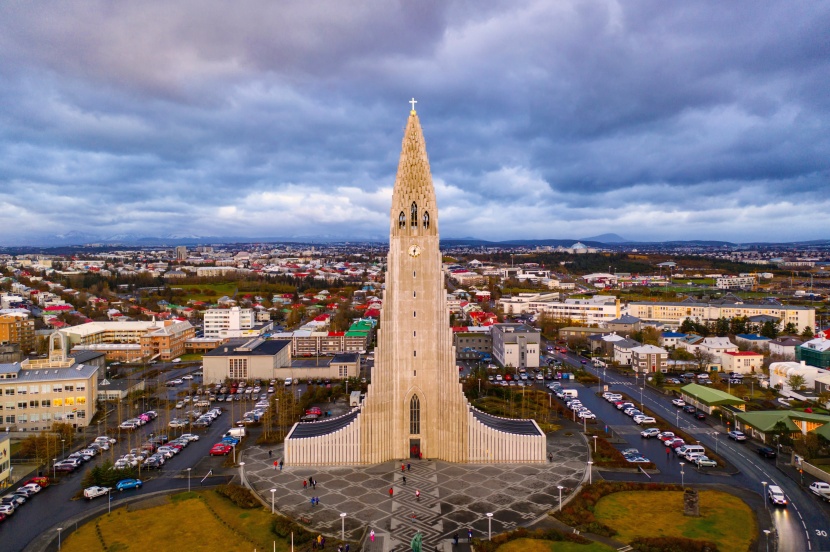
<point>415,403</point>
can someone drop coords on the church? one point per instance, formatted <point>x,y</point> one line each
<point>415,406</point>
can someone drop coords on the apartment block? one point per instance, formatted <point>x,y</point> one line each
<point>18,329</point>
<point>515,345</point>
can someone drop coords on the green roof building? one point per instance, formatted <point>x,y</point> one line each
<point>708,399</point>
<point>766,423</point>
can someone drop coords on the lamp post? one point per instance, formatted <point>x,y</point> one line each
<point>54,468</point>
<point>595,443</point>
<point>109,502</point>
<point>63,449</point>
<point>489,526</point>
<point>188,479</point>
<point>242,473</point>
<point>766,532</point>
<point>682,473</point>
<point>590,472</point>
<point>59,537</point>
<point>272,499</point>
<point>343,526</point>
<point>642,404</point>
<point>716,441</point>
<point>764,494</point>
<point>560,487</point>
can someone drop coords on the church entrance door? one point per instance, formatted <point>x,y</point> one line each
<point>414,448</point>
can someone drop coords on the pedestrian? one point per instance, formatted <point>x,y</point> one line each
<point>322,542</point>
<point>305,484</point>
<point>312,502</point>
<point>372,535</point>
<point>404,480</point>
<point>346,549</point>
<point>420,456</point>
<point>402,467</point>
<point>470,535</point>
<point>550,457</point>
<point>315,484</point>
<point>408,466</point>
<point>270,452</point>
<point>281,463</point>
<point>668,452</point>
<point>314,544</point>
<point>275,465</point>
<point>455,539</point>
<point>339,548</point>
<point>390,492</point>
<point>417,495</point>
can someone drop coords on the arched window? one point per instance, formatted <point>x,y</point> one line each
<point>413,215</point>
<point>426,220</point>
<point>401,220</point>
<point>415,415</point>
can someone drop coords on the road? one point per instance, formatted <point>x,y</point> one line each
<point>801,526</point>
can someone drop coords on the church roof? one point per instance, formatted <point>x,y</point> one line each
<point>324,427</point>
<point>507,425</point>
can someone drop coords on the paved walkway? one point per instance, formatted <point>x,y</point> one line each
<point>454,497</point>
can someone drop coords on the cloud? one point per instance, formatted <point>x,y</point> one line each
<point>542,119</point>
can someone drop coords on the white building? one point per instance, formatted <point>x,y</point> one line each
<point>735,282</point>
<point>742,362</point>
<point>515,345</point>
<point>594,310</point>
<point>233,322</point>
<point>780,372</point>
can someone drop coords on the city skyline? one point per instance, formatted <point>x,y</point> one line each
<point>544,120</point>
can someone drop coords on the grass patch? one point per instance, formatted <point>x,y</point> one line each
<point>206,292</point>
<point>534,545</point>
<point>189,521</point>
<point>725,519</point>
<point>191,357</point>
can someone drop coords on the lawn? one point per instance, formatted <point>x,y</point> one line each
<point>206,292</point>
<point>536,545</point>
<point>185,522</point>
<point>191,357</point>
<point>725,519</point>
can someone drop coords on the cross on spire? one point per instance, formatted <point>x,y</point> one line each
<point>413,101</point>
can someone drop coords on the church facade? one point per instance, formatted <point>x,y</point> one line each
<point>415,406</point>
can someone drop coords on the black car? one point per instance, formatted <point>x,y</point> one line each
<point>689,409</point>
<point>700,415</point>
<point>767,452</point>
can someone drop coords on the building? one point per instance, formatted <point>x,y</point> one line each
<point>815,352</point>
<point>735,282</point>
<point>674,313</point>
<point>312,343</point>
<point>670,339</point>
<point>166,342</point>
<point>625,324</point>
<point>624,351</point>
<point>247,359</point>
<point>415,405</point>
<point>232,323</point>
<point>781,372</point>
<point>784,347</point>
<point>181,252</point>
<point>5,459</point>
<point>575,333</point>
<point>38,393</point>
<point>598,309</point>
<point>765,425</point>
<point>472,345</point>
<point>742,362</point>
<point>338,367</point>
<point>515,345</point>
<point>708,399</point>
<point>649,359</point>
<point>18,329</point>
<point>752,340</point>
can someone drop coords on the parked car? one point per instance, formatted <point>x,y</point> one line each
<point>700,415</point>
<point>737,435</point>
<point>821,490</point>
<point>689,409</point>
<point>705,462</point>
<point>6,509</point>
<point>95,491</point>
<point>650,432</point>
<point>125,484</point>
<point>767,452</point>
<point>645,420</point>
<point>220,449</point>
<point>678,402</point>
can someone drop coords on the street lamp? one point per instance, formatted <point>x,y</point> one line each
<point>716,441</point>
<point>63,450</point>
<point>642,404</point>
<point>242,473</point>
<point>595,443</point>
<point>272,499</point>
<point>489,526</point>
<point>343,526</point>
<point>188,479</point>
<point>764,494</point>
<point>54,468</point>
<point>59,537</point>
<point>590,475</point>
<point>766,532</point>
<point>560,487</point>
<point>682,473</point>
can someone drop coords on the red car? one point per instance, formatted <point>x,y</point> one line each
<point>314,410</point>
<point>220,449</point>
<point>42,481</point>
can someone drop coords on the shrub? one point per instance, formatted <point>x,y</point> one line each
<point>672,544</point>
<point>524,533</point>
<point>106,475</point>
<point>283,527</point>
<point>239,495</point>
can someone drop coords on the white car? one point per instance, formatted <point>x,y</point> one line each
<point>95,491</point>
<point>678,402</point>
<point>587,414</point>
<point>189,437</point>
<point>650,432</point>
<point>187,377</point>
<point>645,420</point>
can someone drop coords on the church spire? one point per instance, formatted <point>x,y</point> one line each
<point>413,200</point>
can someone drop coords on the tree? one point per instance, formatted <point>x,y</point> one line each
<point>738,325</point>
<point>703,358</point>
<point>769,329</point>
<point>721,327</point>
<point>650,336</point>
<point>659,378</point>
<point>790,329</point>
<point>807,334</point>
<point>796,382</point>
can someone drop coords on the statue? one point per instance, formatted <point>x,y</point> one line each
<point>416,542</point>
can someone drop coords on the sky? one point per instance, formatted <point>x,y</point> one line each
<point>543,119</point>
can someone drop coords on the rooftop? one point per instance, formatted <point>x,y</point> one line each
<point>710,396</point>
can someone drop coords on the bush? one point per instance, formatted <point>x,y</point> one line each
<point>524,533</point>
<point>283,527</point>
<point>672,544</point>
<point>106,475</point>
<point>239,495</point>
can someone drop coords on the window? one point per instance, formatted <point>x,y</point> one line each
<point>238,368</point>
<point>69,387</point>
<point>57,402</point>
<point>81,414</point>
<point>415,415</point>
<point>401,220</point>
<point>22,405</point>
<point>9,391</point>
<point>9,419</point>
<point>80,387</point>
<point>426,219</point>
<point>414,353</point>
<point>46,388</point>
<point>414,314</point>
<point>34,404</point>
<point>57,389</point>
<point>21,390</point>
<point>413,215</point>
<point>46,403</point>
<point>34,389</point>
<point>80,400</point>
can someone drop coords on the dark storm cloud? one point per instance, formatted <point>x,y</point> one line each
<point>556,119</point>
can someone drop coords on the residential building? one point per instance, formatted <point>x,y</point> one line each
<point>784,347</point>
<point>598,309</point>
<point>649,359</point>
<point>515,345</point>
<point>18,329</point>
<point>249,359</point>
<point>752,340</point>
<point>735,282</point>
<point>670,339</point>
<point>781,372</point>
<point>815,352</point>
<point>675,313</point>
<point>310,342</point>
<point>742,362</point>
<point>168,341</point>
<point>472,345</point>
<point>624,351</point>
<point>625,324</point>
<point>232,323</point>
<point>5,459</point>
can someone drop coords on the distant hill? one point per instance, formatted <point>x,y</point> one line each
<point>606,238</point>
